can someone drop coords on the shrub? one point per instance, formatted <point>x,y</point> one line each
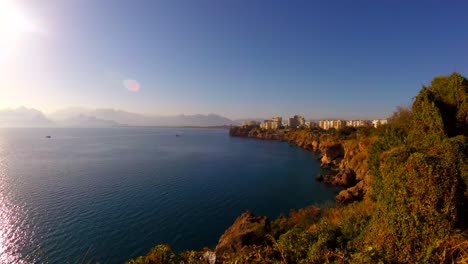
<point>295,244</point>
<point>160,254</point>
<point>418,182</point>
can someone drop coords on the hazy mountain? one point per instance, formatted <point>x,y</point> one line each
<point>133,119</point>
<point>240,121</point>
<point>123,117</point>
<point>68,113</point>
<point>87,121</point>
<point>23,117</point>
<point>192,120</point>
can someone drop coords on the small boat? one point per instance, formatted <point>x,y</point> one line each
<point>48,136</point>
<point>177,135</point>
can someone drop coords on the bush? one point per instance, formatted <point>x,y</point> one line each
<point>418,182</point>
<point>160,254</point>
<point>295,244</point>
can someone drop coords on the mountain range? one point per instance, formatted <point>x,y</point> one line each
<point>23,117</point>
<point>103,117</point>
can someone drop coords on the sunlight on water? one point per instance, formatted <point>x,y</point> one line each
<point>16,234</point>
<point>7,247</point>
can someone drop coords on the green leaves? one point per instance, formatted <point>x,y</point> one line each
<point>418,185</point>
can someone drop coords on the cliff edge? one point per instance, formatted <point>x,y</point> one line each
<point>344,160</point>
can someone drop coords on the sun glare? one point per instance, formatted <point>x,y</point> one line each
<point>13,24</point>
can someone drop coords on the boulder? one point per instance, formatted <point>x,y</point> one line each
<point>248,229</point>
<point>345,178</point>
<point>209,257</point>
<point>331,179</point>
<point>331,154</point>
<point>344,197</point>
<point>355,193</point>
<point>319,177</point>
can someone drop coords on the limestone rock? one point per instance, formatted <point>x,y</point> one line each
<point>345,178</point>
<point>355,193</point>
<point>319,177</point>
<point>331,155</point>
<point>209,257</point>
<point>248,229</point>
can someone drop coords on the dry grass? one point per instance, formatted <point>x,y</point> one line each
<point>454,249</point>
<point>335,216</point>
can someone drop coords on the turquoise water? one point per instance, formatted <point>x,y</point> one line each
<point>111,194</point>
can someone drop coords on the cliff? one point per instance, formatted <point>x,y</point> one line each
<point>248,229</point>
<point>344,160</point>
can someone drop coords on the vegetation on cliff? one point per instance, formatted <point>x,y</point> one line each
<point>414,208</point>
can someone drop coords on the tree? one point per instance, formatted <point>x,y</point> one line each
<point>419,186</point>
<point>402,117</point>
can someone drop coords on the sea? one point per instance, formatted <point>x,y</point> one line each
<point>106,195</point>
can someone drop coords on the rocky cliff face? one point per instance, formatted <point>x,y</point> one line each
<point>248,229</point>
<point>355,158</point>
<point>347,160</point>
<point>345,178</point>
<point>332,154</point>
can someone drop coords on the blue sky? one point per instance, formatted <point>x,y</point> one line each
<point>252,58</point>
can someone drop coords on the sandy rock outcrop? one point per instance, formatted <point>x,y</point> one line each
<point>345,178</point>
<point>352,194</point>
<point>332,155</point>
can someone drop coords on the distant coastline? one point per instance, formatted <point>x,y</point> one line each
<point>123,126</point>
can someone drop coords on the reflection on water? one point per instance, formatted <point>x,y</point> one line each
<point>16,230</point>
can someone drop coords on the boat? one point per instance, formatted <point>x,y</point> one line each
<point>48,136</point>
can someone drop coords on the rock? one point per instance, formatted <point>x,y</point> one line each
<point>319,177</point>
<point>355,193</point>
<point>248,229</point>
<point>346,178</point>
<point>209,257</point>
<point>331,154</point>
<point>315,146</point>
<point>331,179</point>
<point>344,197</point>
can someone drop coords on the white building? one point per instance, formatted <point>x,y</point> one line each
<point>336,124</point>
<point>266,124</point>
<point>358,123</point>
<point>310,124</point>
<point>378,122</point>
<point>274,123</point>
<point>296,121</point>
<point>278,122</point>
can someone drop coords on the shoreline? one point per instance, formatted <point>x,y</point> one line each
<point>335,157</point>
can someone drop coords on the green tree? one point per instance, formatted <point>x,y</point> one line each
<point>401,117</point>
<point>451,97</point>
<point>419,187</point>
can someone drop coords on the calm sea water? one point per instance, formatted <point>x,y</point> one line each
<point>111,194</point>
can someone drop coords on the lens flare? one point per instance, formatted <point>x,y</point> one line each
<point>132,85</point>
